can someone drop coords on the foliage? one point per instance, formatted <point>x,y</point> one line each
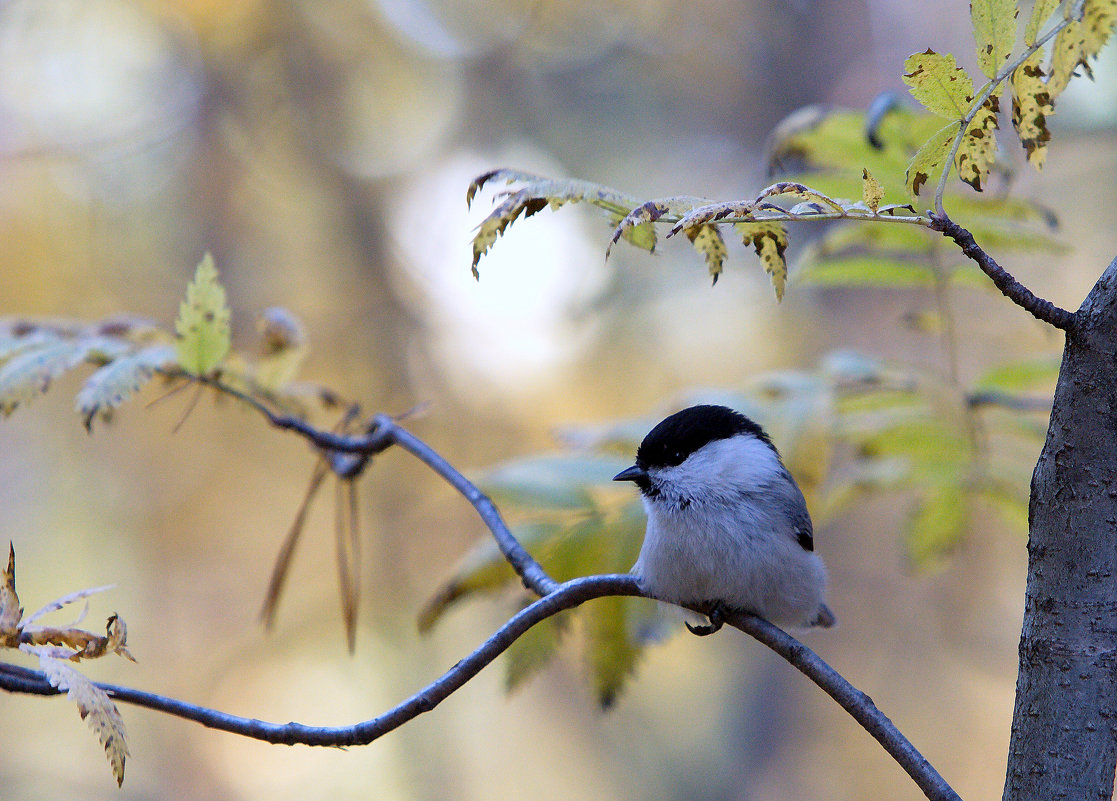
<point>128,352</point>
<point>854,425</point>
<point>203,322</point>
<point>965,145</point>
<point>56,646</point>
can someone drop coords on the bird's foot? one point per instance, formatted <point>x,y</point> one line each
<point>717,620</point>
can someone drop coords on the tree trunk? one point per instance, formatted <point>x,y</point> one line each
<point>1064,728</point>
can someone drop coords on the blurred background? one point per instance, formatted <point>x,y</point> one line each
<point>321,150</point>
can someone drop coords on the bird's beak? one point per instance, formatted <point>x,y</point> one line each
<point>633,473</point>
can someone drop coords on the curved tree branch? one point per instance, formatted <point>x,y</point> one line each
<point>383,432</point>
<point>565,596</point>
<point>1041,309</point>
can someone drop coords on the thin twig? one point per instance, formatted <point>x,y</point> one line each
<point>565,596</point>
<point>859,705</point>
<point>1041,309</point>
<point>381,435</point>
<point>384,432</point>
<point>534,577</point>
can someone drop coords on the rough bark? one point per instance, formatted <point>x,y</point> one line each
<point>1064,728</point>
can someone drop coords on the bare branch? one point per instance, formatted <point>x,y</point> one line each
<point>1041,309</point>
<point>384,432</point>
<point>859,705</point>
<point>565,596</point>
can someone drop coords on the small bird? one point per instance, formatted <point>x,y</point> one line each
<point>727,524</point>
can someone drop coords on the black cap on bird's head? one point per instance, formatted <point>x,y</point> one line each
<point>678,436</point>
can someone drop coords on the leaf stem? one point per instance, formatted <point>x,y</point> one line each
<point>982,96</point>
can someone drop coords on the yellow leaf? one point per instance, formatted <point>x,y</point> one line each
<point>872,193</point>
<point>203,322</point>
<point>1031,105</point>
<point>930,157</point>
<point>708,241</point>
<point>641,219</point>
<point>939,84</point>
<point>1041,12</point>
<point>769,239</point>
<point>1066,53</point>
<point>938,525</point>
<point>1098,20</point>
<point>994,30</point>
<point>979,145</point>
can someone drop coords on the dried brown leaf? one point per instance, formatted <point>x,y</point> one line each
<point>10,611</point>
<point>94,704</point>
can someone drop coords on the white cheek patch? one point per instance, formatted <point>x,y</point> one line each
<point>720,469</point>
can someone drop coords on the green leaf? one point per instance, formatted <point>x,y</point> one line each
<point>867,271</point>
<point>939,84</point>
<point>610,649</point>
<point>483,569</point>
<point>1020,376</point>
<point>1041,12</point>
<point>534,650</point>
<point>930,157</point>
<point>1012,508</point>
<point>994,30</point>
<point>938,455</point>
<point>203,322</point>
<point>938,525</point>
<point>118,380</point>
<point>552,481</point>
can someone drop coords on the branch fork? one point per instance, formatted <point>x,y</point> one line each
<point>553,597</point>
